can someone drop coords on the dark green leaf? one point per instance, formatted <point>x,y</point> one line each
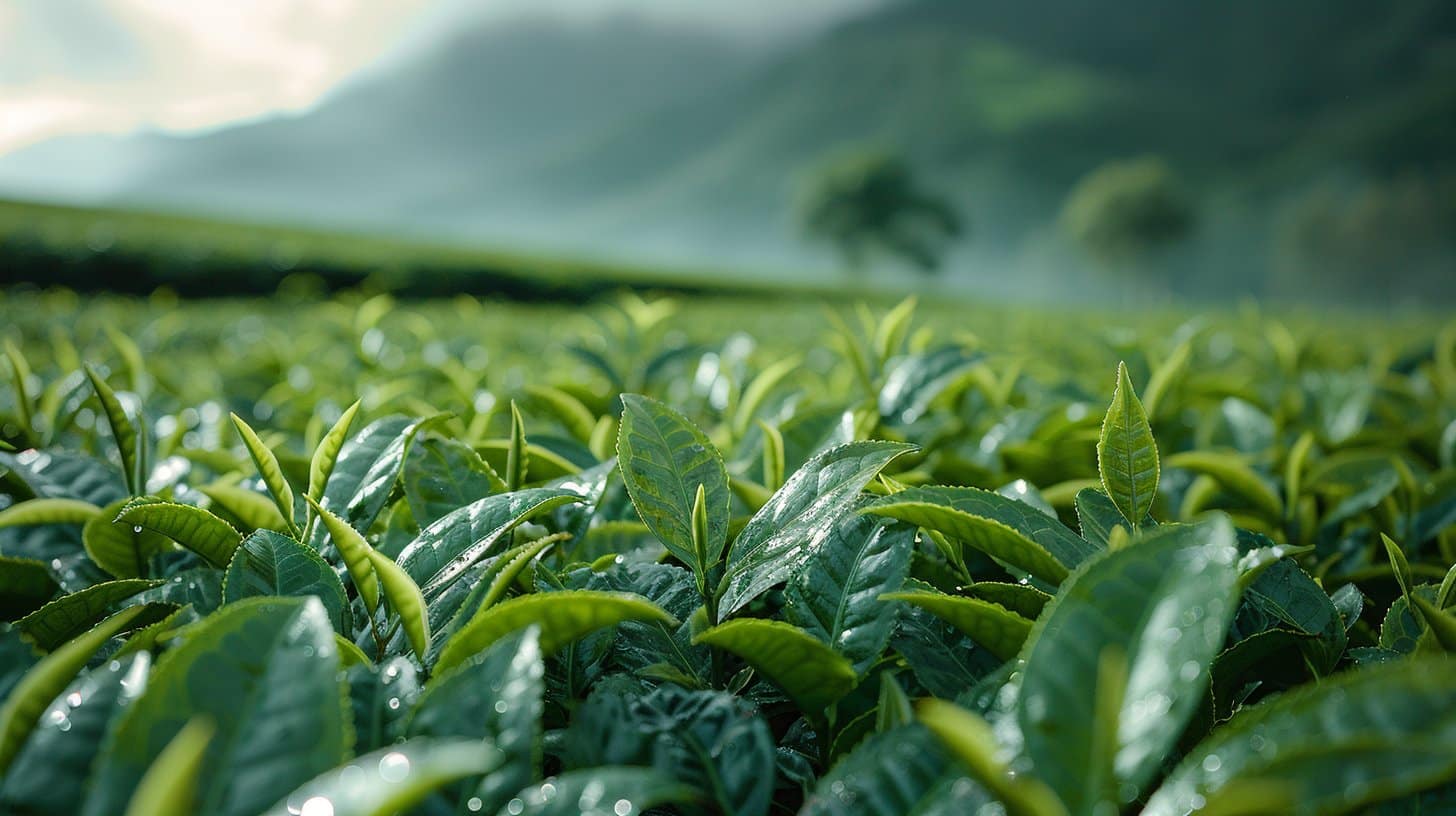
<point>269,563</point>
<point>798,518</point>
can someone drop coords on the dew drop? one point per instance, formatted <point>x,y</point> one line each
<point>317,806</point>
<point>548,792</point>
<point>136,528</point>
<point>1212,763</point>
<point>515,807</point>
<point>474,805</point>
<point>622,807</point>
<point>394,767</point>
<point>393,703</point>
<point>73,699</point>
<point>500,706</point>
<point>57,716</point>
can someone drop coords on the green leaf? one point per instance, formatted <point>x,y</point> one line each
<point>169,785</point>
<point>893,709</point>
<point>354,550</point>
<point>48,511</point>
<point>1164,602</point>
<point>128,442</point>
<point>405,599</point>
<point>1386,728</point>
<point>518,458</point>
<point>1008,530</point>
<point>192,527</point>
<point>28,700</point>
<point>575,417</point>
<point>811,673</point>
<point>1399,565</point>
<point>321,464</point>
<point>442,552</point>
<point>758,390</point>
<point>602,792</point>
<point>119,548</point>
<point>260,669</point>
<point>998,629</point>
<point>366,469</point>
<point>970,740</point>
<point>1441,625</point>
<point>491,585</point>
<point>1026,601</point>
<point>442,475</point>
<point>1127,456</point>
<point>665,459</point>
<point>267,464</point>
<point>49,772</point>
<point>798,518</point>
<point>773,456</point>
<point>904,772</point>
<point>25,585</point>
<point>914,383</point>
<point>70,615</point>
<point>391,780</point>
<point>254,510</point>
<point>271,564</point>
<point>562,616</point>
<point>1097,516</point>
<point>1233,475</point>
<point>19,374</point>
<point>496,696</point>
<point>835,597</point>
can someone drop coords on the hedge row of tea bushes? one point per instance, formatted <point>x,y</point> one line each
<point>350,558</point>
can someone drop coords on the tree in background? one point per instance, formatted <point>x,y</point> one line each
<point>1389,238</point>
<point>1124,211</point>
<point>868,202</point>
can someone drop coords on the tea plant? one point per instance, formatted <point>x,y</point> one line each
<point>899,570</point>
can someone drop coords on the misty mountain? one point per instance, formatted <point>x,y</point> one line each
<point>650,142</point>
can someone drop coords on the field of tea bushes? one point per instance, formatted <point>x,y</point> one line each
<point>363,557</point>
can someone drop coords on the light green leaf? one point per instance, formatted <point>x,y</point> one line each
<point>321,464</point>
<point>442,475</point>
<point>1230,471</point>
<point>267,464</point>
<point>1165,602</point>
<point>29,698</point>
<point>254,510</point>
<point>1006,529</point>
<point>758,390</point>
<point>19,374</point>
<point>119,548</point>
<point>575,417</point>
<point>169,785</point>
<point>269,563</point>
<point>1441,625</point>
<point>814,675</point>
<point>562,616</point>
<point>252,667</point>
<point>664,459</point>
<point>405,599</point>
<point>48,511</point>
<point>601,791</point>
<point>391,780</point>
<point>1386,728</point>
<point>354,550</point>
<point>518,457</point>
<point>128,442</point>
<point>1127,456</point>
<point>970,740</point>
<point>991,625</point>
<point>798,518</point>
<point>192,527</point>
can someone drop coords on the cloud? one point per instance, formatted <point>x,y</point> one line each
<point>112,66</point>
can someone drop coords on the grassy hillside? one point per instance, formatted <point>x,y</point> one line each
<point>136,251</point>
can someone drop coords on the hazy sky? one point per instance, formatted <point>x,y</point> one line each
<point>83,66</point>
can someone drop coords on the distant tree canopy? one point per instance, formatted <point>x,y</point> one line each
<point>868,202</point>
<point>1393,237</point>
<point>1124,210</point>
